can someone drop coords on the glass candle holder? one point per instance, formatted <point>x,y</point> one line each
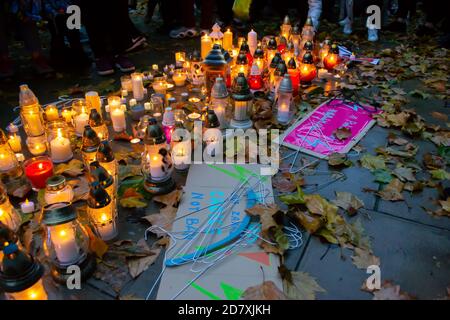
<point>93,101</point>
<point>179,78</point>
<point>51,113</point>
<point>117,114</point>
<point>105,157</point>
<point>66,242</point>
<point>180,59</point>
<point>126,83</point>
<point>97,124</point>
<point>38,170</point>
<point>14,139</point>
<point>57,190</point>
<point>8,215</point>
<point>138,86</point>
<point>59,141</point>
<point>80,115</point>
<point>31,113</point>
<point>242,103</point>
<point>8,160</point>
<point>284,100</point>
<point>89,147</point>
<point>101,213</point>
<point>67,115</point>
<point>157,105</point>
<point>37,145</point>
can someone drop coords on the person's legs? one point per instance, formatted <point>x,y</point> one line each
<point>315,10</point>
<point>207,8</point>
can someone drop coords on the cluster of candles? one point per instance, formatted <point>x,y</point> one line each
<point>224,80</point>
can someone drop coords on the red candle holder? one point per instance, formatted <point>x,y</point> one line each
<point>38,170</point>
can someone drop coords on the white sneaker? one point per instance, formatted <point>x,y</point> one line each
<point>372,35</point>
<point>348,28</point>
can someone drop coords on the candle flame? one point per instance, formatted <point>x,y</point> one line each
<point>2,156</point>
<point>104,218</point>
<point>33,295</point>
<point>155,158</point>
<point>40,165</point>
<point>26,201</point>
<point>59,133</point>
<point>1,212</point>
<point>82,110</point>
<point>63,233</point>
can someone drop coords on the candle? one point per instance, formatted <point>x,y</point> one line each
<point>93,101</point>
<point>104,225</point>
<point>126,83</point>
<point>63,239</point>
<point>180,59</point>
<point>15,142</point>
<point>35,126</point>
<point>240,41</point>
<point>51,113</point>
<point>252,40</point>
<point>160,87</point>
<point>179,79</point>
<point>156,167</point>
<point>240,110</point>
<point>67,115</point>
<point>37,145</point>
<point>60,148</point>
<point>181,157</point>
<point>206,45</point>
<point>81,121</point>
<point>27,206</point>
<point>7,161</point>
<point>35,292</point>
<point>9,217</point>
<point>38,170</point>
<point>283,112</point>
<point>228,40</point>
<point>219,110</point>
<point>138,86</point>
<point>118,119</point>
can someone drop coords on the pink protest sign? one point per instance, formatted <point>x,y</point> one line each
<point>314,134</point>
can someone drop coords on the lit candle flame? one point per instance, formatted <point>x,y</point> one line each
<point>40,165</point>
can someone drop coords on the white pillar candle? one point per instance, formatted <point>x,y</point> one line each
<point>228,40</point>
<point>138,86</point>
<point>27,206</point>
<point>60,149</point>
<point>81,121</point>
<point>206,45</point>
<point>118,119</point>
<point>156,167</point>
<point>219,110</point>
<point>66,248</point>
<point>106,228</point>
<point>252,40</point>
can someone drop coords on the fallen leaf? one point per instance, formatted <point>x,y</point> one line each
<point>373,162</point>
<point>439,116</point>
<point>404,174</point>
<point>265,291</point>
<point>440,174</point>
<point>362,259</point>
<point>129,171</point>
<point>74,168</point>
<point>391,291</point>
<point>133,202</point>
<point>392,191</point>
<point>338,160</point>
<point>348,202</point>
<point>441,138</point>
<point>163,219</point>
<point>316,204</point>
<point>302,287</point>
<point>342,133</point>
<point>310,222</point>
<point>382,176</point>
<point>297,198</point>
<point>283,184</point>
<point>171,199</point>
<point>137,265</point>
<point>96,245</point>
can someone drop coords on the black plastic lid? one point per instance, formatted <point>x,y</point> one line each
<point>98,197</point>
<point>212,121</point>
<point>58,213</point>
<point>95,119</point>
<point>90,138</point>
<point>105,152</point>
<point>100,174</point>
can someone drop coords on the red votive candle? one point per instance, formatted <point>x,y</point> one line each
<point>38,170</point>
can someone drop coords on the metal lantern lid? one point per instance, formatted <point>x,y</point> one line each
<point>100,174</point>
<point>327,42</point>
<point>290,46</point>
<point>155,134</point>
<point>272,44</point>
<point>281,69</point>
<point>98,197</point>
<point>308,22</point>
<point>215,57</point>
<point>286,84</point>
<point>196,56</point>
<point>334,48</point>
<point>95,119</point>
<point>20,270</point>
<point>292,64</point>
<point>242,59</point>
<point>259,53</point>
<point>56,183</point>
<point>240,89</point>
<point>3,138</point>
<point>286,20</point>
<point>296,30</point>
<point>308,46</point>
<point>58,213</point>
<point>219,89</point>
<point>244,47</point>
<point>276,60</point>
<point>7,236</point>
<point>90,138</point>
<point>105,152</point>
<point>226,55</point>
<point>308,58</point>
<point>212,121</point>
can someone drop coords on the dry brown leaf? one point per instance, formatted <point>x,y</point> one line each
<point>74,168</point>
<point>163,219</point>
<point>265,291</point>
<point>362,259</point>
<point>96,245</point>
<point>342,133</point>
<point>391,291</point>
<point>311,223</point>
<point>301,286</point>
<point>439,116</point>
<point>283,184</point>
<point>138,264</point>
<point>392,191</point>
<point>349,202</point>
<point>171,200</point>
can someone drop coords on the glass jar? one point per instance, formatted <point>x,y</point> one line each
<point>37,145</point>
<point>138,86</point>
<point>8,160</point>
<point>98,125</point>
<point>242,103</point>
<point>285,105</point>
<point>67,114</point>
<point>126,84</point>
<point>93,101</point>
<point>8,215</point>
<point>31,113</point>
<point>58,190</point>
<point>80,115</point>
<point>59,141</point>
<point>102,213</point>
<point>66,240</point>
<point>51,113</point>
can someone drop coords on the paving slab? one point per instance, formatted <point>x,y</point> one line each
<point>415,256</point>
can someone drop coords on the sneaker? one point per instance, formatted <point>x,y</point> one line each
<point>41,65</point>
<point>124,64</point>
<point>204,32</point>
<point>136,43</point>
<point>105,66</point>
<point>6,68</point>
<point>192,32</point>
<point>343,22</point>
<point>372,35</point>
<point>178,33</point>
<point>348,28</point>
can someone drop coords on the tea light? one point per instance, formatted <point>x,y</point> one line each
<point>194,116</point>
<point>51,113</point>
<point>37,145</point>
<point>38,170</point>
<point>179,78</point>
<point>27,206</point>
<point>181,158</point>
<point>194,100</point>
<point>81,121</point>
<point>60,148</point>
<point>147,106</point>
<point>93,101</point>
<point>67,115</point>
<point>6,162</point>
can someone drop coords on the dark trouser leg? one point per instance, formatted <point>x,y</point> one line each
<point>187,13</point>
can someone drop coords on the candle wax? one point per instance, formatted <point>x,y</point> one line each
<point>38,172</point>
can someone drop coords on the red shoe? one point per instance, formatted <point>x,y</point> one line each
<point>6,68</point>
